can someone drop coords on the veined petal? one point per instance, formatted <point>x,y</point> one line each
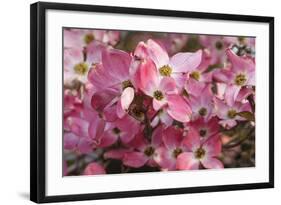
<point>178,108</point>
<point>192,140</point>
<point>231,93</point>
<point>148,79</point>
<point>186,161</point>
<point>172,137</point>
<point>117,63</point>
<point>127,98</point>
<point>134,159</point>
<point>212,163</point>
<point>168,86</point>
<point>157,53</point>
<point>184,62</point>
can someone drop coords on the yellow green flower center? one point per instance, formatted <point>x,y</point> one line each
<point>202,111</point>
<point>177,152</point>
<point>126,84</point>
<point>240,79</point>
<point>199,153</point>
<point>116,130</point>
<point>219,45</point>
<point>149,151</point>
<point>231,113</point>
<point>81,68</point>
<point>195,75</point>
<point>158,95</point>
<point>88,38</point>
<point>241,39</point>
<point>203,132</point>
<point>185,93</point>
<point>165,71</point>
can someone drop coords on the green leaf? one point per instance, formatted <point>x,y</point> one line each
<point>247,115</point>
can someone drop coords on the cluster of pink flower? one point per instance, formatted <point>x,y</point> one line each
<point>149,107</point>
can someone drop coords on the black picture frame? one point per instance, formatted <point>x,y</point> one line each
<point>38,101</point>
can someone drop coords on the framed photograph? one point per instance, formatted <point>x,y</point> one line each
<point>129,102</point>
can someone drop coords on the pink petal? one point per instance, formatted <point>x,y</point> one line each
<point>165,159</point>
<point>117,63</point>
<point>184,62</point>
<point>127,98</point>
<point>96,127</point>
<point>186,161</point>
<point>107,138</point>
<point>168,86</point>
<point>172,137</point>
<point>93,51</point>
<point>110,113</point>
<point>157,53</point>
<point>148,77</point>
<point>231,93</point>
<point>178,108</point>
<point>119,110</point>
<point>94,169</point>
<point>141,51</point>
<point>134,159</point>
<point>223,75</point>
<point>212,163</point>
<point>70,140</point>
<point>84,146</point>
<point>78,126</point>
<point>192,140</point>
<point>213,146</point>
<point>157,135</point>
<point>116,153</point>
<point>244,93</point>
<point>158,104</point>
<point>102,98</point>
<point>102,78</point>
<point>127,137</point>
<point>240,64</point>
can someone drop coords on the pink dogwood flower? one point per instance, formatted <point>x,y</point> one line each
<point>205,128</point>
<point>163,91</point>
<point>113,77</point>
<point>229,114</point>
<point>176,67</point>
<point>202,104</point>
<point>145,151</point>
<point>240,73</point>
<point>84,132</point>
<point>166,155</point>
<point>81,38</point>
<point>124,129</point>
<point>200,153</point>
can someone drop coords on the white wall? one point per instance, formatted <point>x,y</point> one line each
<point>14,100</point>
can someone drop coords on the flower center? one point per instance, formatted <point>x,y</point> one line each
<point>165,70</point>
<point>202,111</point>
<point>158,95</point>
<point>231,113</point>
<point>88,38</point>
<point>149,151</point>
<point>195,75</point>
<point>241,39</point>
<point>240,79</point>
<point>81,68</point>
<point>219,45</point>
<point>203,132</point>
<point>126,84</point>
<point>116,130</point>
<point>199,153</point>
<point>177,152</point>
